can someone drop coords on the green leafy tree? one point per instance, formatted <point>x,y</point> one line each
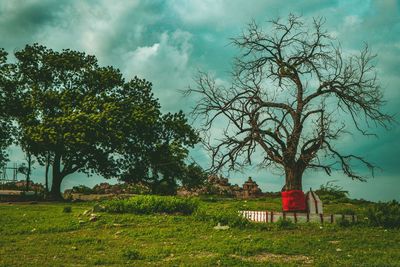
<point>75,116</point>
<point>164,166</point>
<point>194,176</point>
<point>69,111</point>
<point>6,127</point>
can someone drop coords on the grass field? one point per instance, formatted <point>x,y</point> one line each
<point>43,235</point>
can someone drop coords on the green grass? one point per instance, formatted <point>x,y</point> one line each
<point>44,235</point>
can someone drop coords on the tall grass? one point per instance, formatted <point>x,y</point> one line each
<point>150,204</point>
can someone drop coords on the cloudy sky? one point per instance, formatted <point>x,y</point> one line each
<point>167,42</point>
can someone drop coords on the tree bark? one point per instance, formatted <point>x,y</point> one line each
<point>57,179</point>
<point>293,179</point>
<point>28,173</point>
<point>47,172</point>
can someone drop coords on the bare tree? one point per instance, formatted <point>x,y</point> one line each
<point>290,88</point>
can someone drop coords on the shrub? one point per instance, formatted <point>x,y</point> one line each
<point>331,193</point>
<point>82,189</point>
<point>385,214</point>
<point>131,254</point>
<point>224,217</point>
<point>346,211</point>
<point>285,224</point>
<point>67,209</point>
<point>343,223</point>
<point>152,204</point>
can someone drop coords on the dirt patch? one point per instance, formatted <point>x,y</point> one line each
<point>277,258</point>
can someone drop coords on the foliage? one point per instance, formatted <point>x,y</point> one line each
<point>77,116</point>
<point>164,165</point>
<point>344,223</point>
<point>223,216</point>
<point>194,177</point>
<point>346,211</point>
<point>67,209</point>
<point>82,189</point>
<point>125,188</point>
<point>385,214</point>
<point>285,224</point>
<point>331,193</point>
<point>6,126</point>
<point>152,204</point>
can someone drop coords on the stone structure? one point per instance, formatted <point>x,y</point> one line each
<point>251,189</point>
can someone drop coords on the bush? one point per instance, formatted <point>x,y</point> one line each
<point>224,217</point>
<point>152,204</point>
<point>67,209</point>
<point>82,189</point>
<point>343,223</point>
<point>131,254</point>
<point>285,224</point>
<point>330,193</point>
<point>385,214</point>
<point>346,211</point>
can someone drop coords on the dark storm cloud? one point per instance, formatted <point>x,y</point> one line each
<point>20,20</point>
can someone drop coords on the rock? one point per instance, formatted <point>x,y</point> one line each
<point>221,227</point>
<point>93,217</point>
<point>87,212</point>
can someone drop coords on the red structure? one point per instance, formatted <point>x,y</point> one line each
<point>293,200</point>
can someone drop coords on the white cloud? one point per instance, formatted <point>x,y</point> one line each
<point>164,63</point>
<point>352,21</point>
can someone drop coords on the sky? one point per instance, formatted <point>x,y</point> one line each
<point>168,42</point>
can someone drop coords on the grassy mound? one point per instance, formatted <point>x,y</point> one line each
<point>152,204</point>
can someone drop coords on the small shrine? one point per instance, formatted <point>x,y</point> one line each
<point>251,189</point>
<point>314,203</point>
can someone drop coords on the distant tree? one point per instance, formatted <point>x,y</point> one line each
<point>194,177</point>
<point>165,165</point>
<point>291,87</point>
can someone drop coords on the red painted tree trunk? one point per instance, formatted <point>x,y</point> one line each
<point>293,198</point>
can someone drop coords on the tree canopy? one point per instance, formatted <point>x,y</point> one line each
<point>75,116</point>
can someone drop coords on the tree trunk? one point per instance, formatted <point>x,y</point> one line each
<point>57,179</point>
<point>293,180</point>
<point>28,172</point>
<point>47,172</point>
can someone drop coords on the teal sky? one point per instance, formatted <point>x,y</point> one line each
<point>167,42</point>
